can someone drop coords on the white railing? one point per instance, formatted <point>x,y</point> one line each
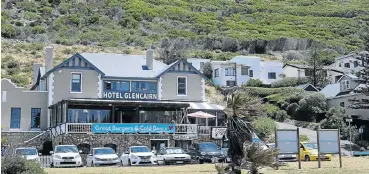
<point>45,161</point>
<point>204,130</point>
<point>78,128</point>
<point>186,128</point>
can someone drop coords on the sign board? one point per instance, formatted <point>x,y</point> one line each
<point>218,132</point>
<point>287,141</point>
<point>185,137</point>
<point>328,141</point>
<point>132,128</point>
<point>130,96</point>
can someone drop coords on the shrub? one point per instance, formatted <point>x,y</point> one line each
<point>304,138</point>
<point>8,31</point>
<point>264,126</point>
<point>292,109</point>
<point>12,164</point>
<point>254,83</point>
<point>311,106</point>
<point>207,70</point>
<point>290,82</point>
<point>38,30</point>
<point>281,115</point>
<point>31,16</point>
<point>271,110</point>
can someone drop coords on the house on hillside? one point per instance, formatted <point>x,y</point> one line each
<point>308,87</point>
<point>351,63</point>
<point>198,63</point>
<point>92,95</point>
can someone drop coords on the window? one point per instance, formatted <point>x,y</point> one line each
<point>201,64</point>
<point>342,104</point>
<point>144,87</point>
<point>3,96</point>
<point>347,65</point>
<point>35,117</point>
<point>231,83</point>
<point>244,71</point>
<point>182,85</point>
<point>15,118</point>
<point>251,72</point>
<point>340,65</point>
<point>356,63</point>
<point>76,82</point>
<point>230,72</point>
<point>122,86</point>
<point>272,75</point>
<point>347,84</point>
<point>216,72</point>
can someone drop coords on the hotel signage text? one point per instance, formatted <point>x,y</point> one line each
<point>130,96</point>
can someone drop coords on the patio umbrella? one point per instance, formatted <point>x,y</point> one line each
<point>200,114</point>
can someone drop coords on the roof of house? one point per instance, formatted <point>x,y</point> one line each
<point>304,86</point>
<point>297,66</point>
<point>331,90</point>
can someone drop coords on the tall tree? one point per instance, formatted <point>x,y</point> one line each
<point>316,62</point>
<point>172,50</point>
<point>207,70</point>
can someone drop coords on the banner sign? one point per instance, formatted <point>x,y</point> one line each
<point>328,141</point>
<point>218,132</point>
<point>133,128</point>
<point>287,141</point>
<point>130,96</point>
<point>185,137</point>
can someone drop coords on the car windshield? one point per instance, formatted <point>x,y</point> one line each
<point>311,146</point>
<point>104,151</point>
<point>139,149</point>
<point>175,151</point>
<point>208,147</point>
<point>26,152</point>
<point>66,149</point>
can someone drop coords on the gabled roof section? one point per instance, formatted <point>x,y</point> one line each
<point>307,86</point>
<point>41,72</point>
<point>331,90</point>
<point>173,65</point>
<point>297,66</point>
<point>76,61</point>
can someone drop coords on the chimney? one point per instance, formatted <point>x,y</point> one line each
<point>49,62</point>
<point>36,67</point>
<point>149,58</point>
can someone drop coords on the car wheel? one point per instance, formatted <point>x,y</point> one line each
<point>307,158</point>
<point>200,161</point>
<point>52,165</point>
<point>121,162</point>
<point>129,162</point>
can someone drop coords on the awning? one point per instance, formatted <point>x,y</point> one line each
<point>204,106</point>
<point>200,114</point>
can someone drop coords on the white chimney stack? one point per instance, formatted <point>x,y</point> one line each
<point>149,58</point>
<point>49,62</point>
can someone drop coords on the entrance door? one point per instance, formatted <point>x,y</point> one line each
<point>158,144</point>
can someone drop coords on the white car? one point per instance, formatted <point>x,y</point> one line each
<point>284,157</point>
<point>66,156</point>
<point>173,155</point>
<point>102,156</point>
<point>138,155</point>
<point>30,153</point>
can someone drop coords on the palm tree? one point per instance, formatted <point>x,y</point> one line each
<point>257,157</point>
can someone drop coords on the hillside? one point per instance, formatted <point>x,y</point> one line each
<point>217,29</point>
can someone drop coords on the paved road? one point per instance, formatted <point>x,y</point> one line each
<point>312,135</point>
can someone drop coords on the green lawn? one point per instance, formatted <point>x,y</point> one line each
<point>356,165</point>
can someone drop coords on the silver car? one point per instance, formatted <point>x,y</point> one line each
<point>102,156</point>
<point>284,157</point>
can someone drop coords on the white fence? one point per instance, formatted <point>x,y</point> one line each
<point>186,128</point>
<point>204,130</point>
<point>45,161</point>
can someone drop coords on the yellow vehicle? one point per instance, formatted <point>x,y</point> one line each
<point>309,152</point>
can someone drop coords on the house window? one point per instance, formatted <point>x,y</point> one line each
<point>244,71</point>
<point>144,87</point>
<point>15,118</point>
<point>272,75</point>
<point>182,85</point>
<point>3,96</point>
<point>35,117</point>
<point>230,72</point>
<point>356,63</point>
<point>347,84</point>
<point>347,65</point>
<point>342,104</point>
<point>216,72</point>
<point>340,65</point>
<point>120,86</point>
<point>201,65</point>
<point>231,83</point>
<point>76,82</point>
<point>251,72</point>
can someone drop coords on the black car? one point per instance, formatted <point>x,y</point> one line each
<point>206,152</point>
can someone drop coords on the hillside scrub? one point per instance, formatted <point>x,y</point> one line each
<point>290,82</point>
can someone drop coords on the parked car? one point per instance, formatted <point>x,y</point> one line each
<point>284,157</point>
<point>138,155</point>
<point>66,156</point>
<point>361,153</point>
<point>172,155</point>
<point>309,152</point>
<point>206,152</point>
<point>224,148</point>
<point>102,156</point>
<point>30,153</point>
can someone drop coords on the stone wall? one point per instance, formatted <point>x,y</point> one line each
<point>17,139</point>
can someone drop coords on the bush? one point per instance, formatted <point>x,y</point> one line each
<point>290,82</point>
<point>281,115</point>
<point>271,110</point>
<point>18,165</point>
<point>311,106</point>
<point>292,109</point>
<point>8,31</point>
<point>304,138</point>
<point>207,70</point>
<point>38,30</point>
<point>254,83</point>
<point>264,126</point>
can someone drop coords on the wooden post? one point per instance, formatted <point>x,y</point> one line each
<point>339,147</point>
<point>276,145</point>
<point>318,148</point>
<point>298,147</point>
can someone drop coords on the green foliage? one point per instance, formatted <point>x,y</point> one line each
<point>12,164</point>
<point>264,126</point>
<point>38,30</point>
<point>254,83</point>
<point>8,31</point>
<point>257,157</point>
<point>271,110</point>
<point>312,105</point>
<point>280,116</point>
<point>207,70</point>
<point>290,82</point>
<point>304,138</point>
<point>263,92</point>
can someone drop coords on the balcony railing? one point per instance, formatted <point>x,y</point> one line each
<point>204,130</point>
<point>186,128</point>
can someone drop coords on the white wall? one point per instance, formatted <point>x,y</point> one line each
<point>267,67</point>
<point>251,61</point>
<point>340,63</point>
<point>196,62</point>
<point>290,71</point>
